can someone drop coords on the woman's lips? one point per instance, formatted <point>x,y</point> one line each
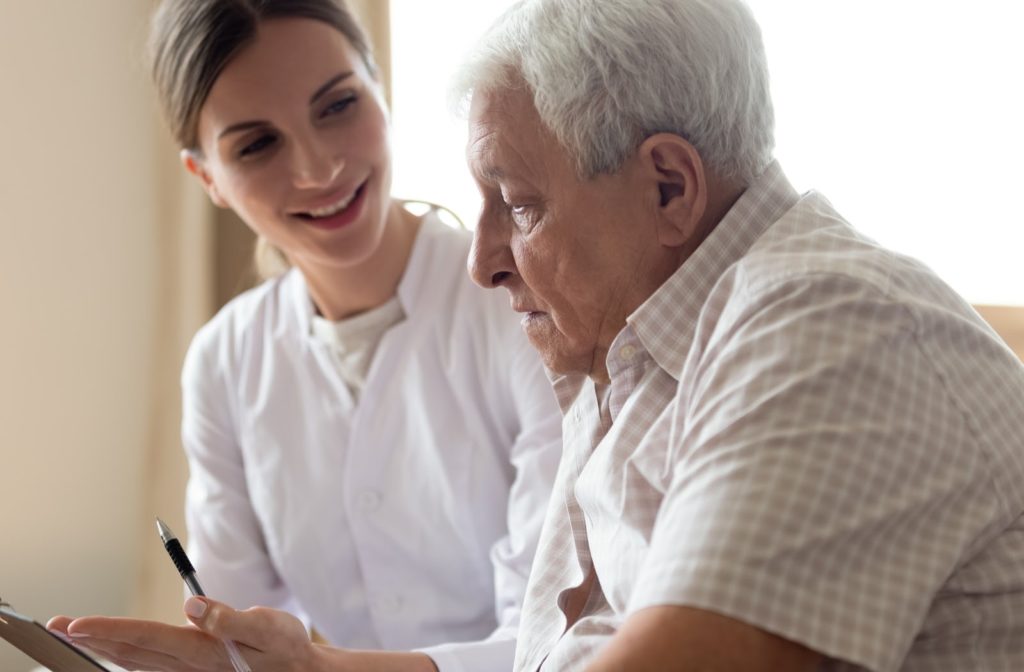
<point>343,217</point>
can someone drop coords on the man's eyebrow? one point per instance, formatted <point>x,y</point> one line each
<point>328,85</point>
<point>488,172</point>
<point>319,93</point>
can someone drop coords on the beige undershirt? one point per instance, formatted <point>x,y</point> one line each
<point>353,341</point>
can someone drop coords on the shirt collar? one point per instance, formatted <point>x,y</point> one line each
<point>666,322</point>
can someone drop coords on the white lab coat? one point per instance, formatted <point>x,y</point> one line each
<point>406,520</point>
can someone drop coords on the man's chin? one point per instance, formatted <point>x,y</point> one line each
<point>559,362</point>
<point>557,353</point>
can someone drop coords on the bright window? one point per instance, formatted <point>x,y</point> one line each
<point>906,114</point>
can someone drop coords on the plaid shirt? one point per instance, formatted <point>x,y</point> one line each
<point>805,432</point>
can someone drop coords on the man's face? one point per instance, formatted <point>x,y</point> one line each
<point>576,256</point>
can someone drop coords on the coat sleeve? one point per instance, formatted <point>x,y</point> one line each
<point>226,542</point>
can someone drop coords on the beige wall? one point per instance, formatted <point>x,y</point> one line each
<point>90,280</point>
<point>1008,321</point>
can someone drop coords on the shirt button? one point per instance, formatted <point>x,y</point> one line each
<point>627,352</point>
<point>368,501</point>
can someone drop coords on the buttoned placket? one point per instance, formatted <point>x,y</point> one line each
<point>363,485</point>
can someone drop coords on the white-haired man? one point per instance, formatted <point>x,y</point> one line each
<point>786,448</point>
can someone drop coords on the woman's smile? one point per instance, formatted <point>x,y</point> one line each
<point>338,214</point>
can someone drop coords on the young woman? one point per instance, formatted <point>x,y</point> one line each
<point>371,439</point>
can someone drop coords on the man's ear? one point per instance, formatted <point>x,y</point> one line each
<point>675,173</point>
<point>194,164</point>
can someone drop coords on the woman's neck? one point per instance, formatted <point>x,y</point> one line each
<point>339,292</point>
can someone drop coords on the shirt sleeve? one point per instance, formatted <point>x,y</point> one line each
<point>824,483</point>
<point>534,456</point>
<point>225,543</point>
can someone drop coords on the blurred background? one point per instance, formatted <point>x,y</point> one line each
<point>905,113</point>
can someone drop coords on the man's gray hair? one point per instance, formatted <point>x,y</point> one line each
<point>606,74</point>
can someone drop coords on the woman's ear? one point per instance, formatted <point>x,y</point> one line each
<point>676,177</point>
<point>194,164</point>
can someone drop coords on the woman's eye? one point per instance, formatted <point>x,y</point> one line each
<point>338,106</point>
<point>257,145</point>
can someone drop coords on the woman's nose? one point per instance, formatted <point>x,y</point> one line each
<point>314,165</point>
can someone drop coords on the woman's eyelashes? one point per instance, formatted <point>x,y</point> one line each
<point>338,106</point>
<point>258,145</point>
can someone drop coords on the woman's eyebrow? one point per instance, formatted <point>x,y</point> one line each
<point>241,126</point>
<point>327,86</point>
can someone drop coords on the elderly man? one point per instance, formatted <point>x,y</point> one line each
<point>786,448</point>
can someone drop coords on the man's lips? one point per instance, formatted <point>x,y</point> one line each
<point>519,308</point>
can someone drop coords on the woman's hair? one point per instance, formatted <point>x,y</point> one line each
<point>606,74</point>
<point>191,41</point>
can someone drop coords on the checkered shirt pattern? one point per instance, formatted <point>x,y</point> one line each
<point>806,432</point>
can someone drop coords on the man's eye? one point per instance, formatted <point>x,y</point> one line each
<point>338,106</point>
<point>257,145</point>
<point>523,215</point>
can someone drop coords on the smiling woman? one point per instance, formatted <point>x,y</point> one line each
<point>288,172</point>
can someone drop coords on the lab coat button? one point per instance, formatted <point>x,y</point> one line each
<point>368,501</point>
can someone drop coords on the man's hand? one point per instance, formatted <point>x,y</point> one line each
<point>684,639</point>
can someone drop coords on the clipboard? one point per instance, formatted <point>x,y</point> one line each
<point>43,646</point>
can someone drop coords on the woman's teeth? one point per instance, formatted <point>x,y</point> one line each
<point>336,208</point>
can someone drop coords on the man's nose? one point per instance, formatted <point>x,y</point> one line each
<point>490,262</point>
<point>314,164</point>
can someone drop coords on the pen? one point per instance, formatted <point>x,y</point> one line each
<point>188,573</point>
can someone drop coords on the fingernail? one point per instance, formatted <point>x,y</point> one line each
<point>195,607</point>
<point>77,635</point>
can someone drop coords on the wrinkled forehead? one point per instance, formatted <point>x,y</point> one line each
<point>503,109</point>
<point>506,134</point>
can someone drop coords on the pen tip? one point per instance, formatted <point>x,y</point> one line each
<point>164,531</point>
